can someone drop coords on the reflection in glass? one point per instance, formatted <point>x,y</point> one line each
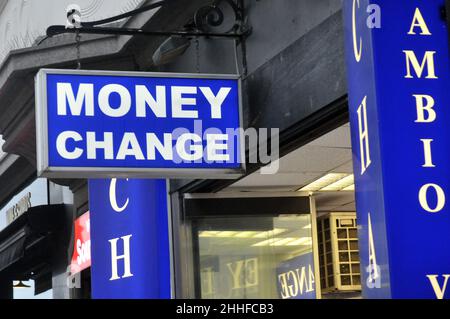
<point>251,257</point>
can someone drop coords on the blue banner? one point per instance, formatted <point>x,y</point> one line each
<point>295,278</point>
<point>138,124</point>
<point>130,248</point>
<point>399,79</point>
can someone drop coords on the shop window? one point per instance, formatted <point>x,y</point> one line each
<point>255,257</point>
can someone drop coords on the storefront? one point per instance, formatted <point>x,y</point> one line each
<point>232,239</point>
<point>275,236</point>
<point>286,227</point>
<point>34,237</point>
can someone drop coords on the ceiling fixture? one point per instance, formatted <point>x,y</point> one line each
<point>21,285</point>
<point>331,182</point>
<point>172,48</point>
<point>241,234</point>
<point>285,241</point>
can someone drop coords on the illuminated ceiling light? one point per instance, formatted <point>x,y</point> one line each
<point>270,233</point>
<point>323,182</point>
<point>340,184</point>
<point>307,226</point>
<point>226,234</point>
<point>264,242</point>
<point>288,241</point>
<point>21,285</point>
<point>246,234</point>
<point>304,241</point>
<point>241,234</point>
<point>283,241</point>
<point>207,233</point>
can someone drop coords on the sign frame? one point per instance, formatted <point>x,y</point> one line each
<point>42,148</point>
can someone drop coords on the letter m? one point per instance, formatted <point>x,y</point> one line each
<point>85,95</point>
<point>428,61</point>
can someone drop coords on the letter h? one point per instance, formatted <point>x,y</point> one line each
<point>115,258</point>
<point>364,136</point>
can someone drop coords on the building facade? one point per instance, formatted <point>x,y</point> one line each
<point>288,234</point>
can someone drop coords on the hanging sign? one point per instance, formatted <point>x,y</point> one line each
<point>399,78</point>
<point>107,124</point>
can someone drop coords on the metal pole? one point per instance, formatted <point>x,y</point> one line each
<point>315,244</point>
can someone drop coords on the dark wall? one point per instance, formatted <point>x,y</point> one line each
<point>6,289</point>
<point>295,60</point>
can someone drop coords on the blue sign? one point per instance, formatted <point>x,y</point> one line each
<point>108,124</point>
<point>295,278</point>
<point>399,78</point>
<point>130,248</point>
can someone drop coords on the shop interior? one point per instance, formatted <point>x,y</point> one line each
<point>274,255</point>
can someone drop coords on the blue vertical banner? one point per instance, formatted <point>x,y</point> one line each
<point>399,78</point>
<point>130,247</point>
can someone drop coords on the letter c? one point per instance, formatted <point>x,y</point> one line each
<point>61,145</point>
<point>113,198</point>
<point>356,50</point>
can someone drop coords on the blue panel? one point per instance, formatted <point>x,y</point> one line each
<point>408,240</point>
<point>295,278</point>
<point>99,122</point>
<point>145,218</point>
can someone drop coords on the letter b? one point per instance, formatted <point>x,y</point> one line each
<point>425,111</point>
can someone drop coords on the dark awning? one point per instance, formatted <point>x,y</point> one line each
<point>31,241</point>
<point>12,249</point>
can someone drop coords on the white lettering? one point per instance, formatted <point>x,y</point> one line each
<point>427,61</point>
<point>85,96</point>
<point>144,98</point>
<point>217,143</point>
<point>424,200</point>
<point>195,147</point>
<point>113,197</point>
<point>61,145</point>
<point>215,101</point>
<point>164,149</point>
<point>357,50</point>
<point>436,287</point>
<point>427,153</point>
<point>425,104</point>
<point>419,21</point>
<point>125,100</point>
<point>115,258</point>
<point>93,145</point>
<point>130,147</point>
<point>364,136</point>
<point>178,101</point>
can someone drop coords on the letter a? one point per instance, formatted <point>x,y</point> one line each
<point>419,21</point>
<point>373,280</point>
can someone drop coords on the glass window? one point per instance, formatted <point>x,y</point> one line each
<point>25,290</point>
<point>258,257</point>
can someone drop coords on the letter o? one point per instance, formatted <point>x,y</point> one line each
<point>440,198</point>
<point>125,100</point>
